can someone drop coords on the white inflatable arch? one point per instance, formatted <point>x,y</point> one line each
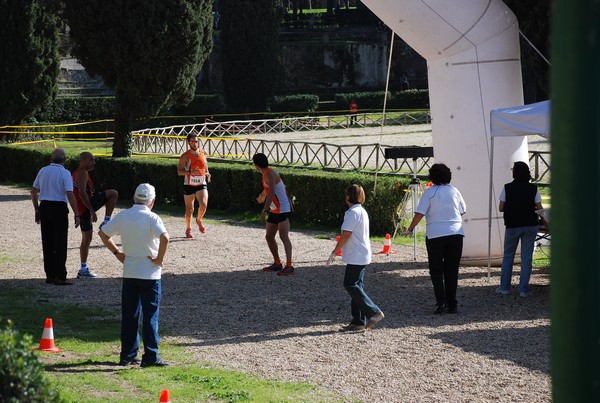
<point>474,66</point>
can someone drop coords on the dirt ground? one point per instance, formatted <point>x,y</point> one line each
<point>227,312</point>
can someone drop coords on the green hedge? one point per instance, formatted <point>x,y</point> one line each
<point>88,109</point>
<point>409,99</point>
<point>77,109</point>
<point>318,195</point>
<point>293,103</point>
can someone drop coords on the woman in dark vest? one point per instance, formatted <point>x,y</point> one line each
<point>518,201</point>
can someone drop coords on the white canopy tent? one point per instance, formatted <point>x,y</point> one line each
<point>522,120</point>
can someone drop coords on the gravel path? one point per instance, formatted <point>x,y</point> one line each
<point>227,312</point>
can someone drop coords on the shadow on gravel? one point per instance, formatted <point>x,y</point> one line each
<point>252,306</point>
<point>248,306</point>
<point>14,198</point>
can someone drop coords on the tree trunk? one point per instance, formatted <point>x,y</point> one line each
<point>123,139</point>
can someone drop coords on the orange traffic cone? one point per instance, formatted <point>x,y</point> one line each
<point>339,252</point>
<point>47,342</point>
<point>387,246</point>
<point>164,396</point>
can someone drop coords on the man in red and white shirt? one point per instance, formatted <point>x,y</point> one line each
<point>88,202</point>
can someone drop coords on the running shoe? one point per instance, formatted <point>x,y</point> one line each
<point>188,233</point>
<point>273,267</point>
<point>287,271</point>
<point>201,227</point>
<point>86,274</point>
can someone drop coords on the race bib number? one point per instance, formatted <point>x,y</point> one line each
<point>196,180</point>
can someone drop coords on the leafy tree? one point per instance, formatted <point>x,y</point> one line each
<point>30,63</point>
<point>250,55</point>
<point>149,51</point>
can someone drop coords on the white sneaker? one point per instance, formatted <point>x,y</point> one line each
<point>86,274</point>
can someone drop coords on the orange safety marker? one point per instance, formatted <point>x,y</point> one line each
<point>387,246</point>
<point>47,342</point>
<point>339,252</point>
<point>164,396</point>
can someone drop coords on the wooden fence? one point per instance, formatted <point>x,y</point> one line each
<point>218,140</point>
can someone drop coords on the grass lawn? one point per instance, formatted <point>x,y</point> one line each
<point>88,372</point>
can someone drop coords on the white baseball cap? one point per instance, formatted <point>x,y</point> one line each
<point>145,192</point>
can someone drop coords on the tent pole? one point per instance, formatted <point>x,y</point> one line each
<point>489,268</point>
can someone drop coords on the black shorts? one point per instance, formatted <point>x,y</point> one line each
<point>275,218</point>
<point>190,190</point>
<point>98,200</point>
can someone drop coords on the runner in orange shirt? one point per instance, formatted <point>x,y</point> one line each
<point>279,208</point>
<point>194,168</point>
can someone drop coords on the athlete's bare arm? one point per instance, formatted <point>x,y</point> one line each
<point>272,177</point>
<point>207,174</point>
<point>183,160</point>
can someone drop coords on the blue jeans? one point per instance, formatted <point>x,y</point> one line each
<point>361,306</point>
<point>140,300</point>
<point>512,236</point>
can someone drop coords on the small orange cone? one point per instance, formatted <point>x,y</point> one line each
<point>387,246</point>
<point>164,396</point>
<point>47,342</point>
<point>339,252</point>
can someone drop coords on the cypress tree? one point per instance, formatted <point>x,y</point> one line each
<point>149,51</point>
<point>30,62</point>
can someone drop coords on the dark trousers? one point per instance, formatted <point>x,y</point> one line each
<point>54,222</point>
<point>444,255</point>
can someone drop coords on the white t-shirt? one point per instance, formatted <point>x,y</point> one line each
<point>357,250</point>
<point>442,206</point>
<point>54,181</point>
<point>140,231</point>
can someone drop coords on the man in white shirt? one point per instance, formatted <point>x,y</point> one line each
<point>51,191</point>
<point>144,239</point>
